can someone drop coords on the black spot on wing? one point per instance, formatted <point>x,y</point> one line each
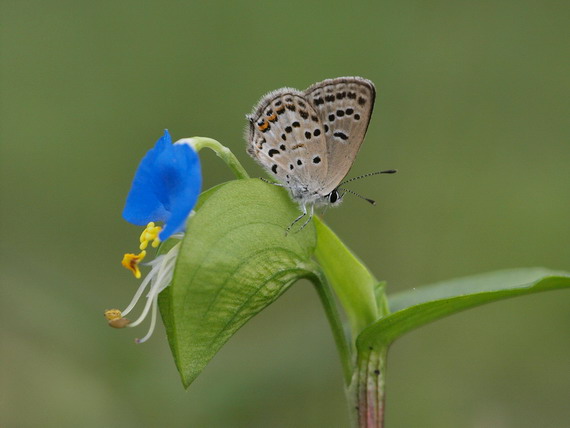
<point>341,135</point>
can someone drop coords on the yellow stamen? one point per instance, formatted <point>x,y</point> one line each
<point>150,234</point>
<point>131,262</point>
<point>113,314</point>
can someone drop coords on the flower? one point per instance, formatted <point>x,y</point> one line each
<point>165,188</point>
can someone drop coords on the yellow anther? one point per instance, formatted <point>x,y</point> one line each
<point>150,234</point>
<point>113,314</point>
<point>131,262</point>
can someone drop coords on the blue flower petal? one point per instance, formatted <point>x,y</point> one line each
<point>143,206</point>
<point>181,175</point>
<point>166,187</point>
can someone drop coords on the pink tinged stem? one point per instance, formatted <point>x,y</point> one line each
<point>370,386</point>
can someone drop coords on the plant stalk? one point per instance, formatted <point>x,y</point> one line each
<point>349,278</point>
<point>367,390</point>
<point>198,143</point>
<point>333,316</point>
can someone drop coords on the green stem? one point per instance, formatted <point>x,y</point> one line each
<point>352,282</point>
<point>333,315</point>
<point>198,143</point>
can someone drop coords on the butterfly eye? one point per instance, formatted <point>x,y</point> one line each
<point>333,196</point>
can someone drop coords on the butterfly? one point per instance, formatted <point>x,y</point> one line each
<point>309,139</point>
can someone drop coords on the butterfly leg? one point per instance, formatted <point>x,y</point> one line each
<point>296,220</point>
<point>271,182</point>
<point>309,219</point>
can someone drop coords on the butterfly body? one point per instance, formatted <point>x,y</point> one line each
<point>308,140</point>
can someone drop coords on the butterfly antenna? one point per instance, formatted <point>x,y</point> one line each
<point>371,201</point>
<point>388,171</point>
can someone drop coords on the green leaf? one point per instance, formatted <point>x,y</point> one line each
<point>234,261</point>
<point>415,308</point>
<point>165,247</point>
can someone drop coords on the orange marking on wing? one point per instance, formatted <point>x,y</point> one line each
<point>272,118</point>
<point>263,126</point>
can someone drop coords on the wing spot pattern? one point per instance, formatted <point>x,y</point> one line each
<point>341,135</point>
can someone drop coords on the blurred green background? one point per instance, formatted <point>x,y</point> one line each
<point>473,110</point>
